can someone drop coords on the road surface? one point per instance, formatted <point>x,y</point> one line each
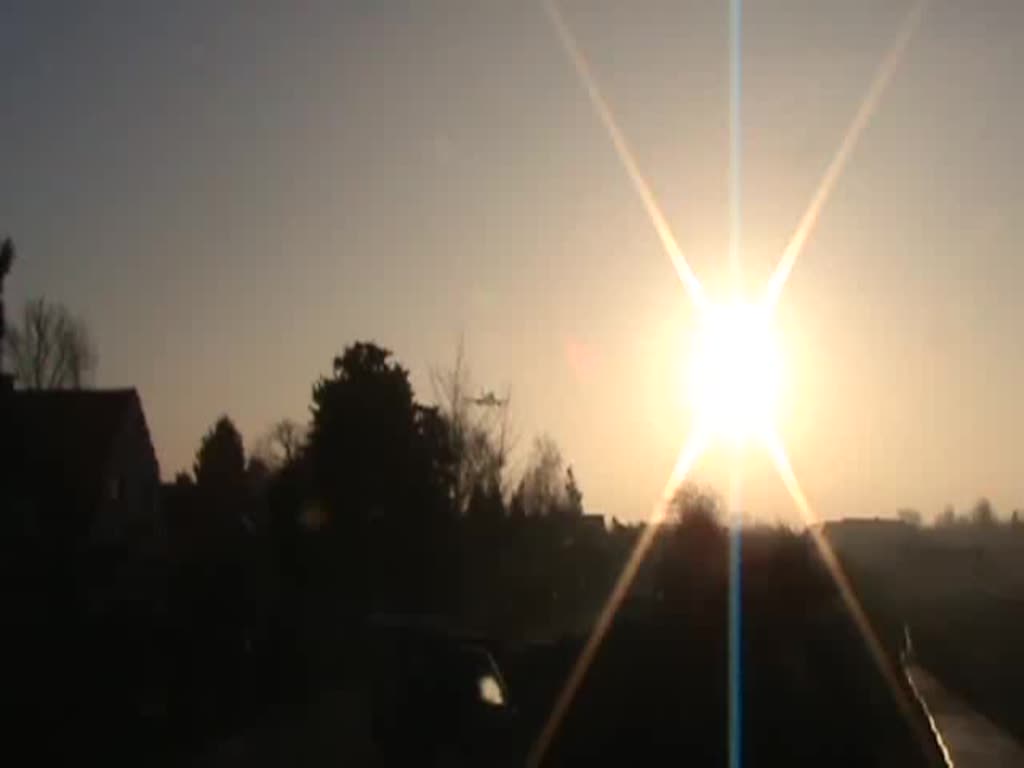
<point>970,740</point>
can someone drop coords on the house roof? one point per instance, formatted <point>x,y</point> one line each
<point>66,438</point>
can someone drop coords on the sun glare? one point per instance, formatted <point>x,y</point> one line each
<point>735,373</point>
<point>735,368</point>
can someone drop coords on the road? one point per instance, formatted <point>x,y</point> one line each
<point>970,739</point>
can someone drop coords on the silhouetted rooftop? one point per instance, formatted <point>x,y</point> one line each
<point>66,437</point>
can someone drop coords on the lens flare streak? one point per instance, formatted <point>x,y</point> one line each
<point>687,457</point>
<point>835,168</point>
<point>735,697</point>
<point>735,617</point>
<point>626,157</point>
<point>735,135</point>
<point>697,442</point>
<point>778,454</point>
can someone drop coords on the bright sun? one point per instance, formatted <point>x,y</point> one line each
<point>735,370</point>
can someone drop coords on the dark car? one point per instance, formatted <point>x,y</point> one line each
<point>437,697</point>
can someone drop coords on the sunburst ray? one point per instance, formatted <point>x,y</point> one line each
<point>625,153</point>
<point>866,109</point>
<point>782,464</point>
<point>687,458</point>
<point>735,731</point>
<point>697,442</point>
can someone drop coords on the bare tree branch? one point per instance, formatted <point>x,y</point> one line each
<point>477,430</point>
<point>58,369</point>
<point>281,444</point>
<point>52,349</point>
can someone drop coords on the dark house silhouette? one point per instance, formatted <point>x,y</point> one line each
<point>85,485</point>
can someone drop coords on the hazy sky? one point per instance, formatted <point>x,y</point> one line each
<point>230,193</point>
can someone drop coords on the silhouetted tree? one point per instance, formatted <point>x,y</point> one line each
<point>220,460</point>
<point>947,517</point>
<point>692,506</point>
<point>573,505</point>
<point>51,348</point>
<point>439,454</point>
<point>477,436</point>
<point>451,389</point>
<point>289,500</point>
<point>6,261</point>
<point>380,468</point>
<point>257,475</point>
<point>982,513</point>
<point>693,544</point>
<point>368,455</point>
<point>540,490</point>
<point>486,501</point>
<point>6,258</point>
<point>909,516</point>
<point>281,444</point>
<point>516,504</point>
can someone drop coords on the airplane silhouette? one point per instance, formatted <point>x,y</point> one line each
<point>489,400</point>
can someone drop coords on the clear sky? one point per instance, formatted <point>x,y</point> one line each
<point>230,193</point>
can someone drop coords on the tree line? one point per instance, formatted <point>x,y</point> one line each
<point>380,505</point>
<point>272,559</point>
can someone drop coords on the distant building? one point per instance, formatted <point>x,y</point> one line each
<point>83,484</point>
<point>871,540</point>
<point>866,530</point>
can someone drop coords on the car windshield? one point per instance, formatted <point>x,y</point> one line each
<point>539,383</point>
